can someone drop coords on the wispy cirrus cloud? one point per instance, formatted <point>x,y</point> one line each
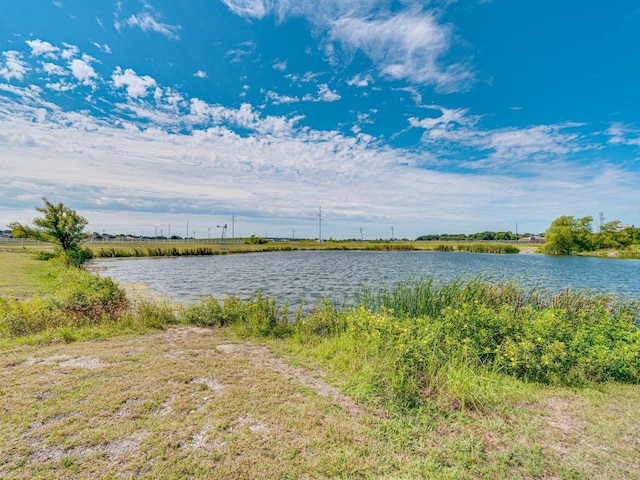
<point>621,134</point>
<point>409,43</point>
<point>455,130</point>
<point>249,8</point>
<point>407,46</point>
<point>146,20</point>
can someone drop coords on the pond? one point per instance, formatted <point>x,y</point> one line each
<point>338,275</point>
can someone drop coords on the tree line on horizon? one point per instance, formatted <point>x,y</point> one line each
<point>480,236</point>
<point>566,235</point>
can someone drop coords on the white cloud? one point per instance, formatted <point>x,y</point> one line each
<point>147,21</point>
<point>39,47</point>
<point>102,47</point>
<point>457,129</point>
<point>249,8</point>
<point>200,74</point>
<point>13,66</point>
<point>137,86</point>
<point>447,118</point>
<point>282,66</point>
<point>408,44</point>
<point>324,95</point>
<point>620,134</point>
<point>360,80</point>
<point>53,69</point>
<point>244,49</point>
<point>522,143</point>
<point>284,171</point>
<point>83,71</point>
<point>69,51</point>
<point>281,99</point>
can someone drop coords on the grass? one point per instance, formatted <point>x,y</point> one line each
<point>214,247</point>
<point>24,275</point>
<point>236,390</point>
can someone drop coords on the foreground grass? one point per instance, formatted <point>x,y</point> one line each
<point>149,392</point>
<point>194,402</point>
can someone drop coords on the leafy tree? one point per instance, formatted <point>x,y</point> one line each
<point>568,235</point>
<point>58,224</point>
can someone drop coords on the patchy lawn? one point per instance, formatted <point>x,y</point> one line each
<point>202,403</point>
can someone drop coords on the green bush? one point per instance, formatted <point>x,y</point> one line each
<point>451,341</point>
<point>81,299</point>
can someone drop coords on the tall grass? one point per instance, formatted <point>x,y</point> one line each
<point>487,248</point>
<point>157,252</point>
<point>478,248</point>
<point>258,316</point>
<point>424,340</point>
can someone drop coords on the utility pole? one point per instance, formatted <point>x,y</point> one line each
<point>169,234</point>
<point>320,224</point>
<point>233,226</point>
<point>361,237</point>
<point>392,234</point>
<point>293,233</point>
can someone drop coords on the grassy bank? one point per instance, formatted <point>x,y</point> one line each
<point>462,380</point>
<point>175,249</point>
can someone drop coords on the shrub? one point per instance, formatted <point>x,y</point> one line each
<point>81,299</point>
<point>445,341</point>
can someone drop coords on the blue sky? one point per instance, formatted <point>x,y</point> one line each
<point>424,116</point>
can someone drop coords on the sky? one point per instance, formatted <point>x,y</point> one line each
<point>365,118</point>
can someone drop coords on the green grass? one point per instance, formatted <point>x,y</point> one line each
<point>24,275</point>
<point>412,383</point>
<point>214,247</point>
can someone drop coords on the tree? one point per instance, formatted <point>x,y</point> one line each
<point>58,224</point>
<point>568,235</point>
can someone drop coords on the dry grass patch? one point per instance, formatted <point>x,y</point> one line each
<point>193,402</point>
<point>170,404</point>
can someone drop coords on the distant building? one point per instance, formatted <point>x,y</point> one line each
<point>623,226</point>
<point>531,239</point>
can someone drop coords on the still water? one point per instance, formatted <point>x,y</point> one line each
<point>338,275</point>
